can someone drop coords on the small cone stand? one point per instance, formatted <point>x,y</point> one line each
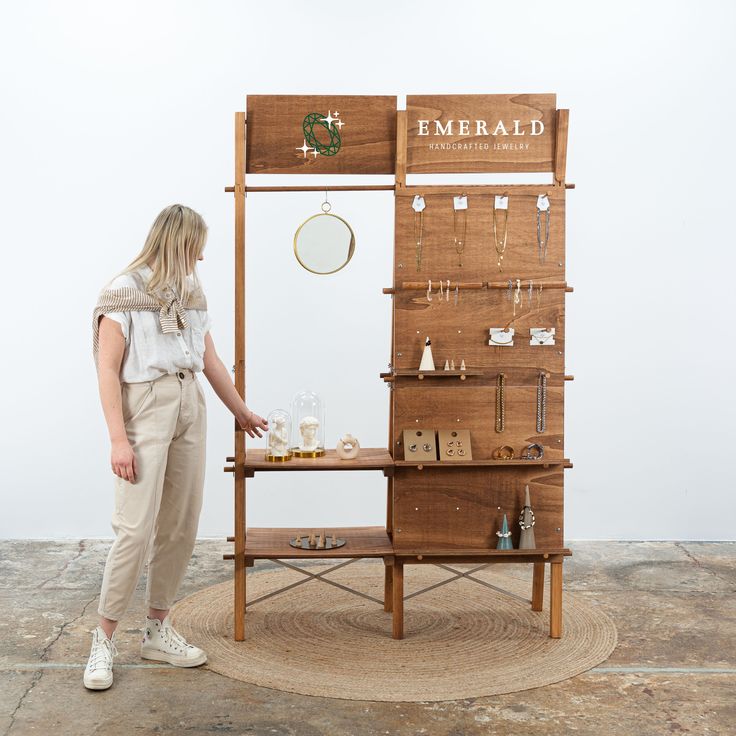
<point>526,522</point>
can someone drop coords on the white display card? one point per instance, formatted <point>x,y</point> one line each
<point>460,202</point>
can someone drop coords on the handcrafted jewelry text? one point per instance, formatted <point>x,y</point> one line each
<point>478,146</point>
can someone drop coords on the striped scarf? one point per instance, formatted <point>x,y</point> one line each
<point>171,312</point>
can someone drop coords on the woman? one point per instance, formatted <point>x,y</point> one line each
<point>150,339</point>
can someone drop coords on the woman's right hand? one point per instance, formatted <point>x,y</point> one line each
<point>123,461</point>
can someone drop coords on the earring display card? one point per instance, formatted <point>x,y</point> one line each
<point>419,445</point>
<point>542,336</point>
<point>501,336</point>
<point>454,445</point>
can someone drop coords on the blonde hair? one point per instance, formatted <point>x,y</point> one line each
<point>174,243</point>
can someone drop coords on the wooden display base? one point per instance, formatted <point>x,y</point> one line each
<point>308,453</point>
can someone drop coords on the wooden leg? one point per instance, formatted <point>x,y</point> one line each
<point>538,587</point>
<point>555,600</point>
<point>239,562</point>
<point>388,586</point>
<point>398,595</point>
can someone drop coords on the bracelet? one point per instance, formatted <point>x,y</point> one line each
<point>536,448</point>
<point>506,452</point>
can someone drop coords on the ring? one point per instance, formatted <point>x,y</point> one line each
<point>533,447</point>
<point>505,452</point>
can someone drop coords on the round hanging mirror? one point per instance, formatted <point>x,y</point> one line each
<point>324,243</point>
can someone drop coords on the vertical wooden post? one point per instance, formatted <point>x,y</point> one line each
<point>388,584</point>
<point>239,474</point>
<point>538,587</point>
<point>398,603</point>
<point>563,117</point>
<point>395,574</point>
<point>555,600</point>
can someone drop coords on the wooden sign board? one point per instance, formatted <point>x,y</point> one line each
<point>305,134</point>
<point>480,133</point>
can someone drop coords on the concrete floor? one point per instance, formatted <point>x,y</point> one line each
<point>673,672</point>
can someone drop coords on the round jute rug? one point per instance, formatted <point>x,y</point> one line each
<point>461,640</point>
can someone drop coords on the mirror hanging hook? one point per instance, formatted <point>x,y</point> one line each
<point>326,206</point>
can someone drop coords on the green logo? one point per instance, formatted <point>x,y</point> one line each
<point>314,124</point>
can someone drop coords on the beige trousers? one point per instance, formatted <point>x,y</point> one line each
<point>155,519</point>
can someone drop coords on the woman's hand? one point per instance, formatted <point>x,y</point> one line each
<point>123,462</point>
<point>252,423</point>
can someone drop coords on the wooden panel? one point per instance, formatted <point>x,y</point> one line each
<point>360,541</point>
<point>461,332</point>
<point>363,137</point>
<point>472,406</point>
<point>480,133</point>
<point>479,258</point>
<point>442,508</point>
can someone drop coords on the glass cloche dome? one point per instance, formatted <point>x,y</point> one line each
<point>308,425</point>
<point>279,436</point>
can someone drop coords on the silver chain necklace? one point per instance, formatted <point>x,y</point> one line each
<point>542,244</point>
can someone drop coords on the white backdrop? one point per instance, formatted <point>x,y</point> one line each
<point>111,111</point>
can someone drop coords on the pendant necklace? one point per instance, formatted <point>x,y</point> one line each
<point>500,244</point>
<point>542,244</point>
<point>418,232</point>
<point>459,242</point>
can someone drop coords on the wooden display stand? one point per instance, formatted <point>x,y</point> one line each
<point>438,512</point>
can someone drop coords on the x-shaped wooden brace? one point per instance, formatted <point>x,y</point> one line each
<point>457,574</point>
<point>315,576</point>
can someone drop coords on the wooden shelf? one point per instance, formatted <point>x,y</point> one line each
<point>263,543</point>
<point>506,555</point>
<point>482,463</point>
<point>421,375</point>
<point>369,458</point>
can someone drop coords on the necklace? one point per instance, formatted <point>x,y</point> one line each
<point>418,232</point>
<point>459,242</point>
<point>517,295</point>
<point>542,202</point>
<point>418,206</point>
<point>500,402</point>
<point>500,244</point>
<point>542,403</point>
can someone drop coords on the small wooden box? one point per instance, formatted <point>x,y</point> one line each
<point>419,445</point>
<point>454,445</point>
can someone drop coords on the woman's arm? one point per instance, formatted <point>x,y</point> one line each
<point>220,380</point>
<point>109,360</point>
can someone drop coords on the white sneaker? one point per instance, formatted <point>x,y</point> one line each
<point>98,672</point>
<point>162,642</point>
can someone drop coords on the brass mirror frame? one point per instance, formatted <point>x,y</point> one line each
<point>351,248</point>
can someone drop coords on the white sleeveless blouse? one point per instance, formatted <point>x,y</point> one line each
<point>151,353</point>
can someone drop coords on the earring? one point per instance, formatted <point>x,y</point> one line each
<point>441,294</point>
<point>447,291</point>
<point>457,294</point>
<point>429,292</point>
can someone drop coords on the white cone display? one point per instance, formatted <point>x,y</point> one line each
<point>427,363</point>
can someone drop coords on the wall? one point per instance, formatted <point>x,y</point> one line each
<point>113,110</point>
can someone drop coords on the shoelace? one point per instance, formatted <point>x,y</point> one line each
<point>102,654</point>
<point>170,634</point>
